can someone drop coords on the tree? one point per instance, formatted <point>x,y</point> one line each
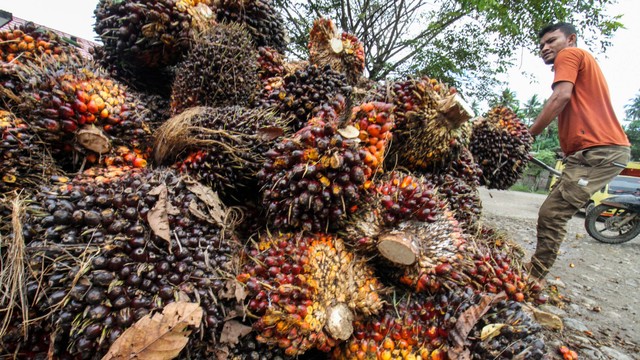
<point>632,113</point>
<point>531,109</point>
<point>466,43</point>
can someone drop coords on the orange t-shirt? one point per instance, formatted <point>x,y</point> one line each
<point>588,119</point>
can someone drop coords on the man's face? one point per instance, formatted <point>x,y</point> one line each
<point>552,42</point>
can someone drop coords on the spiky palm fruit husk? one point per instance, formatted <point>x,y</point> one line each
<point>500,144</point>
<point>314,179</point>
<point>517,335</point>
<point>458,182</point>
<point>431,124</point>
<point>396,197</point>
<point>24,160</point>
<point>150,34</point>
<point>23,43</point>
<point>305,92</point>
<point>343,52</point>
<point>409,326</point>
<point>263,22</point>
<point>220,69</point>
<point>99,261</point>
<point>68,102</point>
<point>223,148</point>
<point>306,290</point>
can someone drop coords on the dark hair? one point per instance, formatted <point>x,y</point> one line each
<point>566,28</point>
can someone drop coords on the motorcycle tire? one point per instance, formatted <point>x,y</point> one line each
<point>591,222</point>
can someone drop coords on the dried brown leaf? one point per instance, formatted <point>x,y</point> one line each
<point>269,133</point>
<point>158,336</point>
<point>232,331</point>
<point>158,217</point>
<point>468,320</point>
<point>211,199</point>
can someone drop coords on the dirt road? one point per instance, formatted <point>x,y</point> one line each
<point>600,283</point>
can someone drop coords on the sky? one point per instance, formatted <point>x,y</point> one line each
<point>620,64</point>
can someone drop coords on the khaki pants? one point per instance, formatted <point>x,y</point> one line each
<point>585,172</point>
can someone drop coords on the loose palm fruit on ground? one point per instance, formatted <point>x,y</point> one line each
<point>262,20</point>
<point>396,197</point>
<point>500,143</point>
<point>375,122</point>
<point>306,289</point>
<point>149,34</point>
<point>68,101</point>
<point>100,261</point>
<point>514,334</point>
<point>24,160</point>
<point>343,52</point>
<point>409,326</point>
<point>223,66</point>
<point>305,92</point>
<point>431,123</point>
<point>23,43</point>
<point>221,147</point>
<point>315,178</point>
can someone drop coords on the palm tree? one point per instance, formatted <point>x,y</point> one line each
<point>531,109</point>
<point>632,109</point>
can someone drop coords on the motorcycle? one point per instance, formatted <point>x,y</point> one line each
<point>616,220</point>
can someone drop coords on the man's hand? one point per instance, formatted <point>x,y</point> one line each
<point>553,107</point>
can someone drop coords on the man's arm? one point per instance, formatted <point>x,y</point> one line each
<point>556,103</point>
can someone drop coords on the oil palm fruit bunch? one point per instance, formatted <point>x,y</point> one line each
<point>314,179</point>
<point>222,64</point>
<point>270,64</point>
<point>221,147</point>
<point>500,144</point>
<point>25,42</point>
<point>150,34</point>
<point>306,290</point>
<point>408,327</point>
<point>304,92</point>
<point>263,22</point>
<point>375,122</point>
<point>67,101</point>
<point>431,123</point>
<point>396,197</point>
<point>506,331</point>
<point>24,160</point>
<point>458,182</point>
<point>116,244</point>
<point>249,348</point>
<point>343,52</point>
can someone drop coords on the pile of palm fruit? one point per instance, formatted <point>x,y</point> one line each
<point>190,163</point>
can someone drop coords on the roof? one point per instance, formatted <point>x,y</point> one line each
<point>83,45</point>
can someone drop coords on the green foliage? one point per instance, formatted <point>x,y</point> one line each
<point>632,111</point>
<point>466,43</point>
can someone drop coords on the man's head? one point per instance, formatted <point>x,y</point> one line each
<point>554,38</point>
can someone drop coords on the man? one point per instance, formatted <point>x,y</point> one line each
<point>595,146</point>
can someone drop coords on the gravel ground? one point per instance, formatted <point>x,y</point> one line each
<point>597,297</point>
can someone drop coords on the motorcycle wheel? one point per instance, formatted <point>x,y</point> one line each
<point>605,228</point>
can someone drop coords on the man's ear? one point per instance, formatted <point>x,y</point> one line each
<point>573,39</point>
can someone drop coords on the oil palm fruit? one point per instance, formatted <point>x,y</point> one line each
<point>342,52</point>
<point>306,289</point>
<point>249,348</point>
<point>223,148</point>
<point>314,179</point>
<point>500,144</point>
<point>263,22</point>
<point>515,334</point>
<point>68,102</point>
<point>270,63</point>
<point>150,34</point>
<point>100,260</point>
<point>24,42</point>
<point>409,326</point>
<point>222,64</point>
<point>303,93</point>
<point>24,160</point>
<point>375,122</point>
<point>431,123</point>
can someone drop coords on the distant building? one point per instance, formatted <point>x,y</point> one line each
<point>8,21</point>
